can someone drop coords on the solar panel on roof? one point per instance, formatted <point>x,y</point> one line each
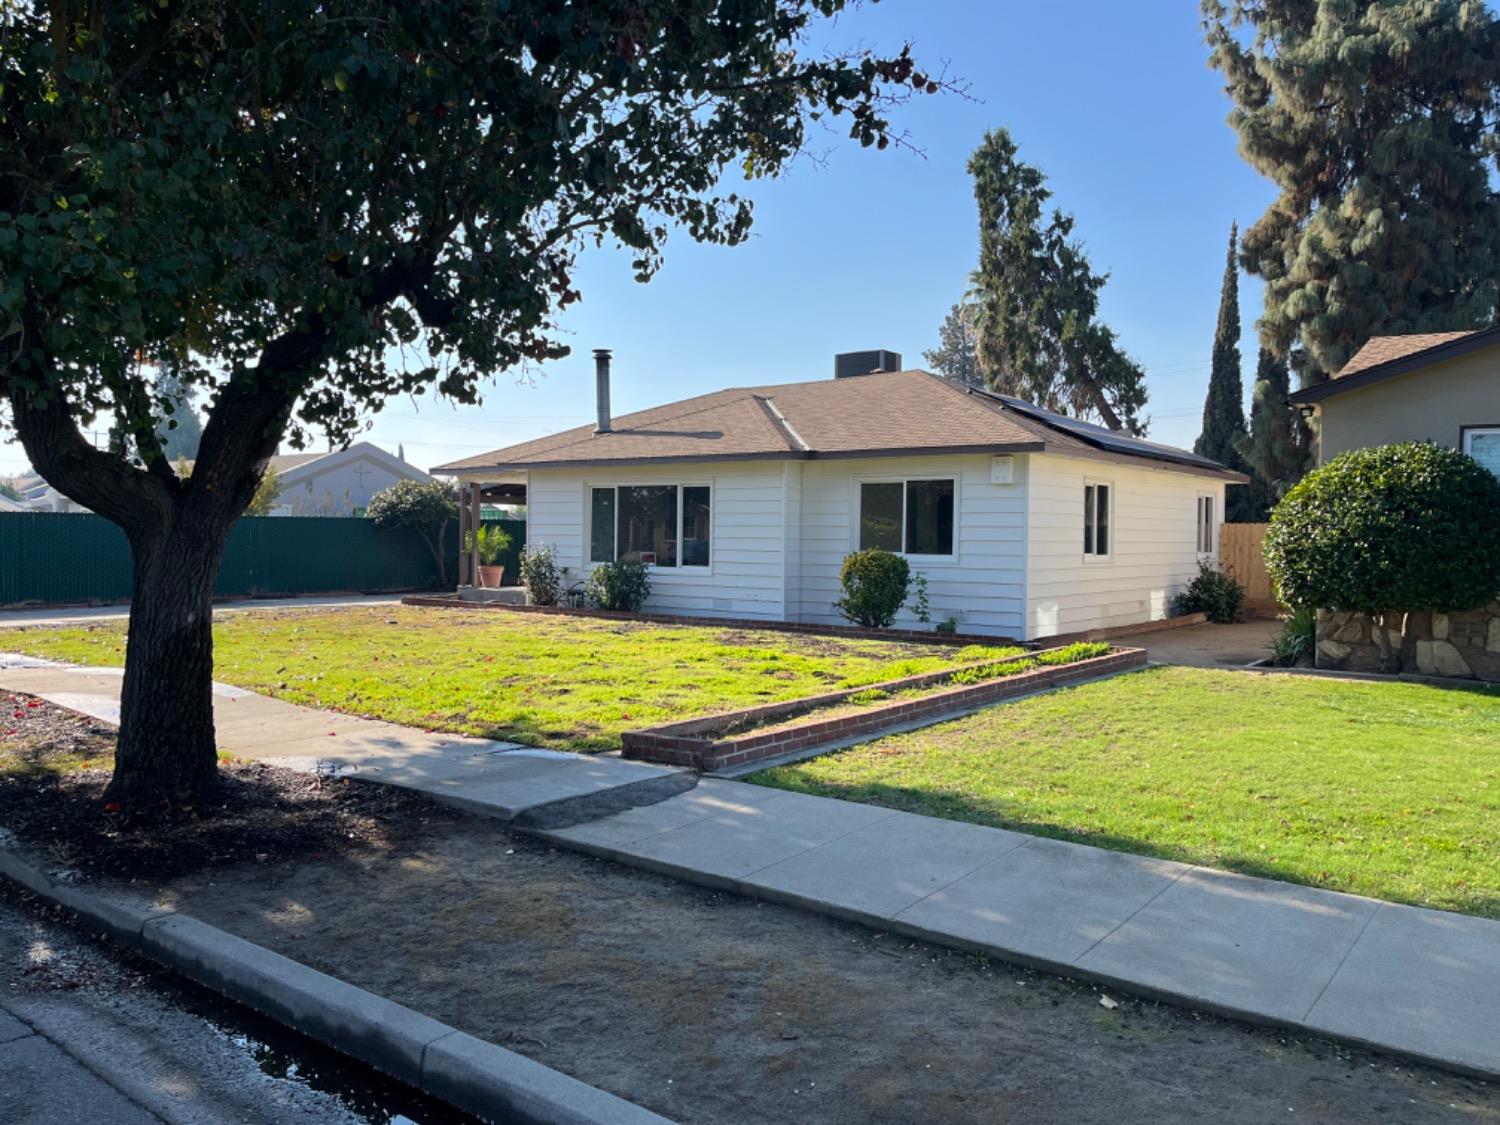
<point>1102,437</point>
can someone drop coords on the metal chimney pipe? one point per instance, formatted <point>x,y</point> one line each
<point>601,389</point>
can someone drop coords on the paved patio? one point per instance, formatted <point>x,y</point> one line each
<point>1208,646</point>
<point>1423,983</point>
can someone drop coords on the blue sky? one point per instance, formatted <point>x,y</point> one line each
<point>1114,102</point>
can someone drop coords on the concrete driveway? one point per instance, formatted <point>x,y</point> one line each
<point>1207,646</point>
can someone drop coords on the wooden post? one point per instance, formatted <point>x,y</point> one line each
<point>465,578</point>
<point>476,519</point>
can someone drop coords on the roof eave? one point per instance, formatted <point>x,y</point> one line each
<point>1403,365</point>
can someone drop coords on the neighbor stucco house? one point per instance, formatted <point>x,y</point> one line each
<point>337,483</point>
<point>746,501</point>
<point>1442,387</point>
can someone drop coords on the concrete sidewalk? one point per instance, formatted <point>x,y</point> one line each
<point>83,614</point>
<point>1423,983</point>
<point>501,779</point>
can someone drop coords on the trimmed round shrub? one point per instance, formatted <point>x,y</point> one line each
<point>1389,529</point>
<point>1213,592</point>
<point>622,586</point>
<point>875,587</point>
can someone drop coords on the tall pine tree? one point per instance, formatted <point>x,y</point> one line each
<point>1224,406</point>
<point>1039,336</point>
<point>954,358</point>
<point>1276,448</point>
<point>1376,121</point>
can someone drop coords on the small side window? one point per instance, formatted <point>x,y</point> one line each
<point>1096,530</point>
<point>1206,525</point>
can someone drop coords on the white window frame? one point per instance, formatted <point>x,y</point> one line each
<point>591,487</point>
<point>1206,498</point>
<point>1095,558</point>
<point>1468,434</point>
<point>903,481</point>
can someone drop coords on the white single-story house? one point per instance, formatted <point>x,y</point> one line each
<point>337,483</point>
<point>746,501</point>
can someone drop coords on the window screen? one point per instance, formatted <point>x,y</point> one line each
<point>1096,519</point>
<point>880,516</point>
<point>602,525</point>
<point>929,517</point>
<point>696,520</point>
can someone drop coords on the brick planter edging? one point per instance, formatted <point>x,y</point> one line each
<point>677,744</point>
<point>857,632</point>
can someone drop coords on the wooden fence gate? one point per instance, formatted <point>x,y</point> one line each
<point>1241,554</point>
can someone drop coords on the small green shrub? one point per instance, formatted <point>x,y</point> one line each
<point>540,575</point>
<point>1297,638</point>
<point>623,586</point>
<point>967,676</point>
<point>875,586</point>
<point>1214,592</point>
<point>869,695</point>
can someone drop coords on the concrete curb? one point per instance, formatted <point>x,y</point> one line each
<point>488,1081</point>
<point>1179,999</point>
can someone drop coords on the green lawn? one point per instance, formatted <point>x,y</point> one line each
<point>565,682</point>
<point>1384,789</point>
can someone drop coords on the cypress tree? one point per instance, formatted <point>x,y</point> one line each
<point>1376,120</point>
<point>1277,447</point>
<point>1223,407</point>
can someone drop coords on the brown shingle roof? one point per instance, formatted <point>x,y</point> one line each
<point>1384,349</point>
<point>878,415</point>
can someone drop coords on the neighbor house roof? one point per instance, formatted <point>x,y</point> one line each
<point>1385,357</point>
<point>883,414</point>
<point>292,467</point>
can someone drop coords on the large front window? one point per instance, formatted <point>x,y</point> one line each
<point>914,517</point>
<point>660,524</point>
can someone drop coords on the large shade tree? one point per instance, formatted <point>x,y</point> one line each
<point>1036,296</point>
<point>317,204</point>
<point>1375,119</point>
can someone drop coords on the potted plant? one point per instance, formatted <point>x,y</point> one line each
<point>489,543</point>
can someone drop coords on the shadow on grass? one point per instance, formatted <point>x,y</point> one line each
<point>991,814</point>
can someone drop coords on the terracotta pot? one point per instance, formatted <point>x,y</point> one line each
<point>490,577</point>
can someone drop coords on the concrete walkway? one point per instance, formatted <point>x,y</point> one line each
<point>500,779</point>
<point>80,615</point>
<point>1207,646</point>
<point>1423,983</point>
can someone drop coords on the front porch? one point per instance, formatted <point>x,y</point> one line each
<point>484,500</point>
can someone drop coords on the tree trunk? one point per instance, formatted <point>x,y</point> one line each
<point>166,757</point>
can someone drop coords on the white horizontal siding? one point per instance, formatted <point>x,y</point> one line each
<point>745,577</point>
<point>1154,551</point>
<point>983,586</point>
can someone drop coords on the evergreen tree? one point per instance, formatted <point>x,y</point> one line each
<point>178,427</point>
<point>1037,300</point>
<point>1276,449</point>
<point>1376,120</point>
<point>1223,407</point>
<point>954,358</point>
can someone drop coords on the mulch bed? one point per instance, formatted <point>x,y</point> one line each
<point>55,764</point>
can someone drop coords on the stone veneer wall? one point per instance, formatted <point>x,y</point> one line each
<point>1433,644</point>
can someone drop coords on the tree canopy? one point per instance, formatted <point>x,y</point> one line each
<point>1276,448</point>
<point>955,357</point>
<point>1039,336</point>
<point>1375,119</point>
<point>317,204</point>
